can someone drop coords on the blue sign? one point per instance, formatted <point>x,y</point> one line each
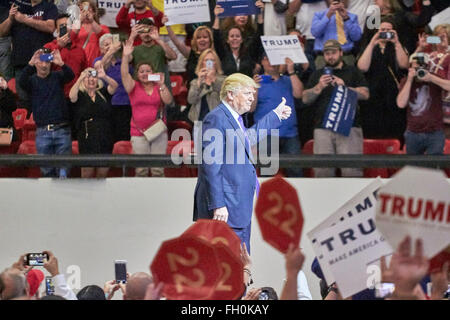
<point>341,111</point>
<point>237,8</point>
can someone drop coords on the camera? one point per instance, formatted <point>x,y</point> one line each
<point>49,287</point>
<point>93,73</point>
<point>328,71</point>
<point>386,35</point>
<point>433,40</point>
<point>120,267</point>
<point>62,30</point>
<point>154,77</point>
<point>46,55</point>
<point>35,259</point>
<point>421,70</point>
<point>209,64</point>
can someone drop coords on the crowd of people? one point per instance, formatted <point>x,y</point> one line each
<point>407,271</point>
<point>81,80</point>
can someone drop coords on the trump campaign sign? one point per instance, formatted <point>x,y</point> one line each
<point>278,48</point>
<point>186,11</point>
<point>357,216</point>
<point>416,202</point>
<point>111,8</point>
<point>349,248</point>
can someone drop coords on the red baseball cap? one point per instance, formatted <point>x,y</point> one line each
<point>34,278</point>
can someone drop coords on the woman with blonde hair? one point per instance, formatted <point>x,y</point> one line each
<point>204,92</point>
<point>92,113</point>
<point>148,95</point>
<point>202,39</point>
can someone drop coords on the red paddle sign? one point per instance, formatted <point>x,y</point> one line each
<point>279,213</point>
<point>215,232</point>
<point>189,268</point>
<point>231,283</point>
<point>438,260</point>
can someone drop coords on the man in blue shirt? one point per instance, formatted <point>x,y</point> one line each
<point>273,88</point>
<point>338,24</point>
<point>50,110</point>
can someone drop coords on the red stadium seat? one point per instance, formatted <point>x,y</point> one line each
<point>179,90</point>
<point>29,147</point>
<point>186,148</point>
<point>173,125</point>
<point>75,172</point>
<point>308,149</point>
<point>19,117</point>
<point>29,129</point>
<point>380,146</point>
<point>122,147</point>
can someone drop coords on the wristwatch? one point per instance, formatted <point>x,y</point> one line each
<point>333,288</point>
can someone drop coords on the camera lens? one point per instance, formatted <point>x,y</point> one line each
<point>420,73</point>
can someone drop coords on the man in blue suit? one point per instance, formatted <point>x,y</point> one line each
<point>227,177</point>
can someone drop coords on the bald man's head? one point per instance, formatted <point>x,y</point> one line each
<point>137,285</point>
<point>13,284</point>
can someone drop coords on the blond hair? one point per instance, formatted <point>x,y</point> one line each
<point>99,84</point>
<point>440,27</point>
<point>217,63</point>
<point>196,35</point>
<point>236,82</point>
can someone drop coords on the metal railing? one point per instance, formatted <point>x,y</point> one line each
<point>285,161</point>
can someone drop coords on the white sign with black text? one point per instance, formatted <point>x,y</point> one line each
<point>349,248</point>
<point>111,8</point>
<point>186,11</point>
<point>360,204</point>
<point>278,48</point>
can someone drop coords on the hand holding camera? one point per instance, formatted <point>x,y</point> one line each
<point>51,264</point>
<point>13,11</point>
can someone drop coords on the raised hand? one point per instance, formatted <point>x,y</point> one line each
<point>127,49</point>
<point>282,110</point>
<point>408,269</point>
<point>294,260</point>
<point>57,58</point>
<point>13,11</point>
<point>218,10</point>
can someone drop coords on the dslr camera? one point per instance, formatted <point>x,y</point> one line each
<point>93,73</point>
<point>421,70</point>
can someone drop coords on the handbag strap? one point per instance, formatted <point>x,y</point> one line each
<point>87,39</point>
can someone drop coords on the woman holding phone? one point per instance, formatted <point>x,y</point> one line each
<point>92,114</point>
<point>205,90</point>
<point>148,94</point>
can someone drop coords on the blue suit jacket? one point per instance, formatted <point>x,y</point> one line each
<point>230,181</point>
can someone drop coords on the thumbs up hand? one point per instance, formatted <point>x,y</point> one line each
<point>282,110</point>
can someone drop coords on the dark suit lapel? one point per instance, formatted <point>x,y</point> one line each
<point>238,129</point>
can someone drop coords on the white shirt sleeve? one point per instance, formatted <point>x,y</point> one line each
<point>62,289</point>
<point>302,287</point>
